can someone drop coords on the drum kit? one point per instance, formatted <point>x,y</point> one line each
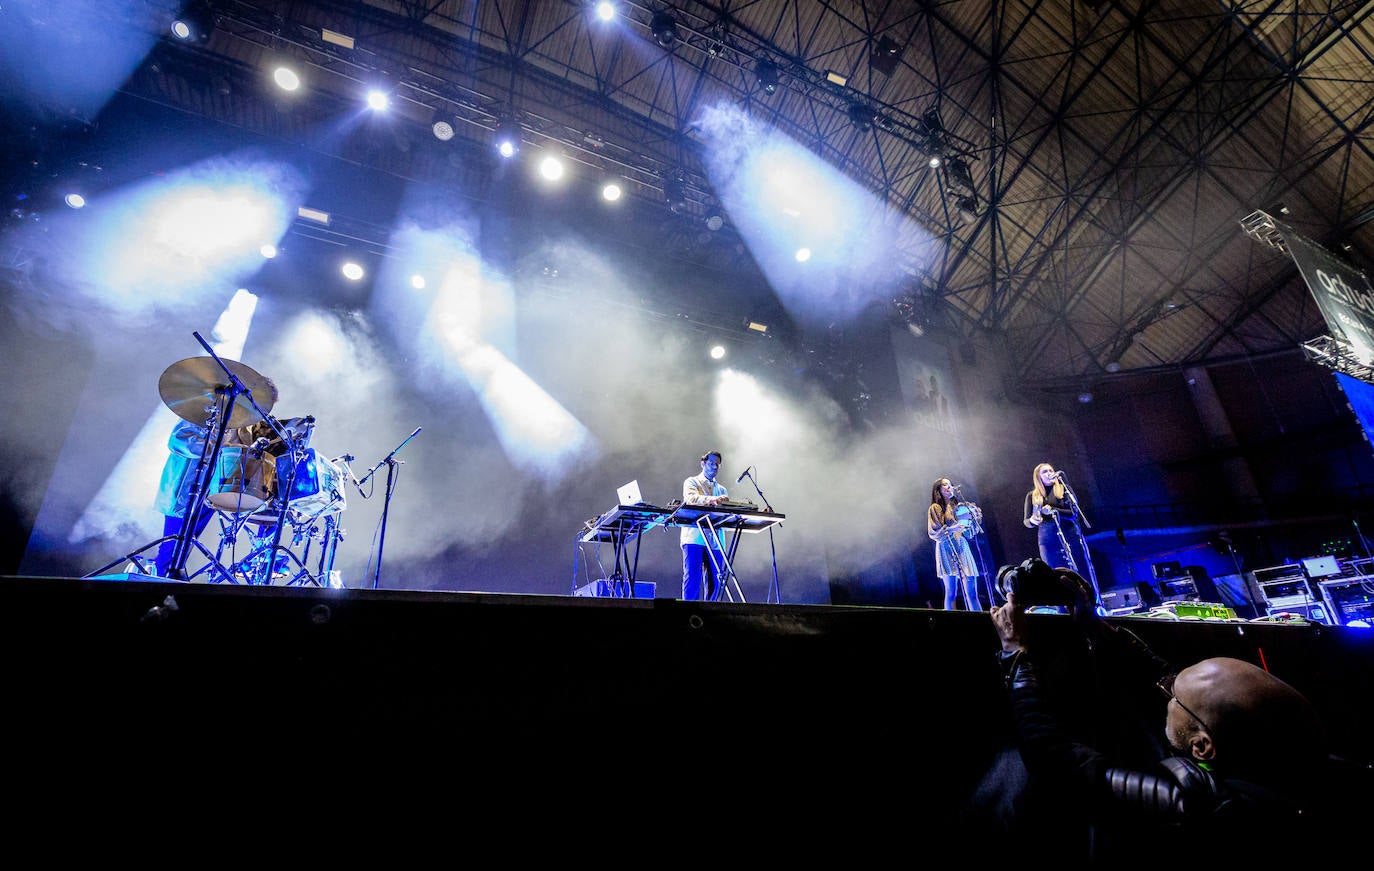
<point>258,474</point>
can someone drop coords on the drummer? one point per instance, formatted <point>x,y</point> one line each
<point>177,486</point>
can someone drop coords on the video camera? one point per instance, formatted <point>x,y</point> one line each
<point>1035,583</point>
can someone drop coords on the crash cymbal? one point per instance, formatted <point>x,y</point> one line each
<point>192,386</point>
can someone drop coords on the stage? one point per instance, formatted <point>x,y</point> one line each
<point>771,703</point>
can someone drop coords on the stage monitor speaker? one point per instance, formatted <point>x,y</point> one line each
<point>607,589</point>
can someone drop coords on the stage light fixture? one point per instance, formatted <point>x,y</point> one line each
<point>675,193</point>
<point>885,55</point>
<point>664,28</point>
<point>442,126</point>
<point>74,200</point>
<point>195,25</point>
<point>755,326</point>
<point>378,99</point>
<point>605,10</point>
<point>767,73</point>
<point>861,117</point>
<point>612,190</point>
<point>286,78</point>
<point>968,209</point>
<point>835,78</point>
<point>958,175</point>
<point>507,138</point>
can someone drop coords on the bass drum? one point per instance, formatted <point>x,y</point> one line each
<point>242,483</point>
<point>318,486</point>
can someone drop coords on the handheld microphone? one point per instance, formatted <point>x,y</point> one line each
<point>743,475</point>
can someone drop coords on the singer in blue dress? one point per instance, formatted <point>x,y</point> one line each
<point>953,558</point>
<point>1053,514</point>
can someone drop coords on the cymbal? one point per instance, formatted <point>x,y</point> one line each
<point>188,387</point>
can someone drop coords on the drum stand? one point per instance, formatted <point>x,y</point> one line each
<point>258,567</point>
<point>216,420</point>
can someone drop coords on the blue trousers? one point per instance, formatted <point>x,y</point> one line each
<point>700,580</point>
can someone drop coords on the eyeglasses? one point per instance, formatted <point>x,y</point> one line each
<point>1166,686</point>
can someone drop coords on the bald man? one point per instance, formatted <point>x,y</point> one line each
<point>1246,780</point>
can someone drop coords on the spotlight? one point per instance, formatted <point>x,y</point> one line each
<point>1085,397</point>
<point>74,200</point>
<point>194,26</point>
<point>417,281</point>
<point>835,78</point>
<point>860,117</point>
<point>664,28</point>
<point>352,270</point>
<point>551,168</point>
<point>442,126</point>
<point>378,99</point>
<point>767,73</point>
<point>605,10</point>
<point>675,193</point>
<point>267,250</point>
<point>507,138</point>
<point>286,78</point>
<point>717,352</point>
<point>611,191</point>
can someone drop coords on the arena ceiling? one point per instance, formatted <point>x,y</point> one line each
<point>1099,157</point>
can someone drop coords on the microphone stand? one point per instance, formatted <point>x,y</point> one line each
<point>391,462</point>
<point>974,535</point>
<point>774,592</point>
<point>229,394</point>
<point>1082,539</point>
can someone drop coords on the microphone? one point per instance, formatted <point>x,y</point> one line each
<point>310,419</point>
<point>1059,476</point>
<point>258,447</point>
<point>343,458</point>
<point>743,475</point>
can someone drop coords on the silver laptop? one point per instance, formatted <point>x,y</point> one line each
<point>629,494</point>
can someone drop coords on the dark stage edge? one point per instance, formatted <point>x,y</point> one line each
<point>650,714</point>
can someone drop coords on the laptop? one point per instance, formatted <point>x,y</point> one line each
<point>629,494</point>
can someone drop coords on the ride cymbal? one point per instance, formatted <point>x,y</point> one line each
<point>191,388</point>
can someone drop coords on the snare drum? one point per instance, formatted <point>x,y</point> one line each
<point>318,487</point>
<point>242,483</point>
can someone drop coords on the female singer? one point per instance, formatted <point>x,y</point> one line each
<point>953,558</point>
<point>1049,509</point>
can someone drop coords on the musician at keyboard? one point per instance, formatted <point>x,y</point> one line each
<point>703,561</point>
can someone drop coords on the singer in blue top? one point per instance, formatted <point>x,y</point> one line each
<point>1051,512</point>
<point>701,561</point>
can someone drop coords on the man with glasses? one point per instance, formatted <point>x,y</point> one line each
<point>1249,777</point>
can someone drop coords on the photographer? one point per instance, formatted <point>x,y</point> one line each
<point>1223,795</point>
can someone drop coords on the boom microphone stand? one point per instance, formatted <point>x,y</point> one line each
<point>390,462</point>
<point>774,593</point>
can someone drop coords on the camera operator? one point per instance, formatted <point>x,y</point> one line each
<point>1224,794</point>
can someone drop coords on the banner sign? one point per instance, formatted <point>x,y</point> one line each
<point>1343,294</point>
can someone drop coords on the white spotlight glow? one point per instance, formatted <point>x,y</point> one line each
<point>605,10</point>
<point>551,168</point>
<point>75,201</point>
<point>417,281</point>
<point>611,191</point>
<point>286,78</point>
<point>717,352</point>
<point>268,251</point>
<point>935,162</point>
<point>377,100</point>
<point>803,255</point>
<point>352,271</point>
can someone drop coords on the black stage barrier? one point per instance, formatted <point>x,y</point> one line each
<point>621,715</point>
